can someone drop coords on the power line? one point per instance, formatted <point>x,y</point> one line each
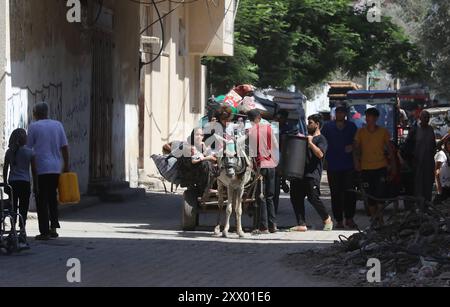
<point>162,37</point>
<point>99,13</point>
<point>156,21</point>
<point>161,1</point>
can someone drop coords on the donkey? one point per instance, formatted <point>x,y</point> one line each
<point>236,170</point>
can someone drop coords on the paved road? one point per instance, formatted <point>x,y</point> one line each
<point>140,243</point>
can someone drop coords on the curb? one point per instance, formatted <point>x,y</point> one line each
<point>86,202</point>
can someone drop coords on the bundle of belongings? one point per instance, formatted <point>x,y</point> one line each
<point>275,101</point>
<point>176,164</point>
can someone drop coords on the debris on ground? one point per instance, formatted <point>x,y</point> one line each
<point>413,248</point>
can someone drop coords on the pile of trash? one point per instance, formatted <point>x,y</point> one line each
<point>413,248</point>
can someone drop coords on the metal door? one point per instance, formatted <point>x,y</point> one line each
<point>101,108</point>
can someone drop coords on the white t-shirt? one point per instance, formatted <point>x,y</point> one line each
<point>46,138</point>
<point>445,169</point>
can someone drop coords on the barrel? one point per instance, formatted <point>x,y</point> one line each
<point>293,156</point>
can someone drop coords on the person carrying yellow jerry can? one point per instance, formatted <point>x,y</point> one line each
<point>48,141</point>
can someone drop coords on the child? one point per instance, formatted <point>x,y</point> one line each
<point>18,159</point>
<point>199,151</point>
<point>203,159</point>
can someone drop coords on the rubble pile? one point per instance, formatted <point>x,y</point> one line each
<point>412,246</point>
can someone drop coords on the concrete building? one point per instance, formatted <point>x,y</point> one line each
<point>173,91</point>
<point>116,112</point>
<point>88,72</point>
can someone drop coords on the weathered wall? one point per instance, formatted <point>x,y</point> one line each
<point>126,91</point>
<point>51,60</point>
<point>4,19</point>
<point>212,28</point>
<point>174,99</point>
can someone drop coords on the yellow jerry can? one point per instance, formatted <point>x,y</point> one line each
<point>68,189</point>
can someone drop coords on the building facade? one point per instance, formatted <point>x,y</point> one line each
<point>88,72</point>
<point>173,88</point>
<point>117,112</point>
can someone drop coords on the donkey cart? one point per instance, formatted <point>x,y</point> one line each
<point>195,204</point>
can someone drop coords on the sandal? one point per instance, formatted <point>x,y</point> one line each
<point>328,227</point>
<point>298,229</point>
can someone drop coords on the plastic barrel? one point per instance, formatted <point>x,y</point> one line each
<point>293,156</point>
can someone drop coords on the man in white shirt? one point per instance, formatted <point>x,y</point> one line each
<point>49,142</point>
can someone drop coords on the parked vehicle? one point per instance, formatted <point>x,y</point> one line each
<point>440,120</point>
<point>385,102</point>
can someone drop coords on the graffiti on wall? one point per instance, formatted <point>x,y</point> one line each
<point>19,108</point>
<point>20,103</point>
<point>51,93</point>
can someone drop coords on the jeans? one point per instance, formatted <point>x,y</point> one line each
<point>267,216</point>
<point>343,201</point>
<point>47,203</point>
<point>307,187</point>
<point>276,198</point>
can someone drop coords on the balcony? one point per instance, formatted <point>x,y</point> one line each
<point>211,29</point>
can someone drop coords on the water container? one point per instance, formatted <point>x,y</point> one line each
<point>293,156</point>
<point>68,189</point>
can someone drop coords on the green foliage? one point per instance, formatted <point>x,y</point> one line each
<point>301,42</point>
<point>435,41</point>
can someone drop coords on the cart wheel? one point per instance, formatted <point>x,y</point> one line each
<point>367,207</point>
<point>13,244</point>
<point>189,215</point>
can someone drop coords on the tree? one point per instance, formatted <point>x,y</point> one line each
<point>427,23</point>
<point>435,41</point>
<point>225,72</point>
<point>302,42</point>
<point>257,21</point>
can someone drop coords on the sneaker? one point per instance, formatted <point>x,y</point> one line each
<point>53,233</point>
<point>42,237</point>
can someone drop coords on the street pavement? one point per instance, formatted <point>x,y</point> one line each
<point>140,243</point>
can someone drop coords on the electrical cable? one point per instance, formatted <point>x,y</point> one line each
<point>99,13</point>
<point>156,21</point>
<point>162,37</point>
<point>161,1</point>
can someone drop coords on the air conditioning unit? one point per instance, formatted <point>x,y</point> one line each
<point>150,40</point>
<point>150,43</point>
